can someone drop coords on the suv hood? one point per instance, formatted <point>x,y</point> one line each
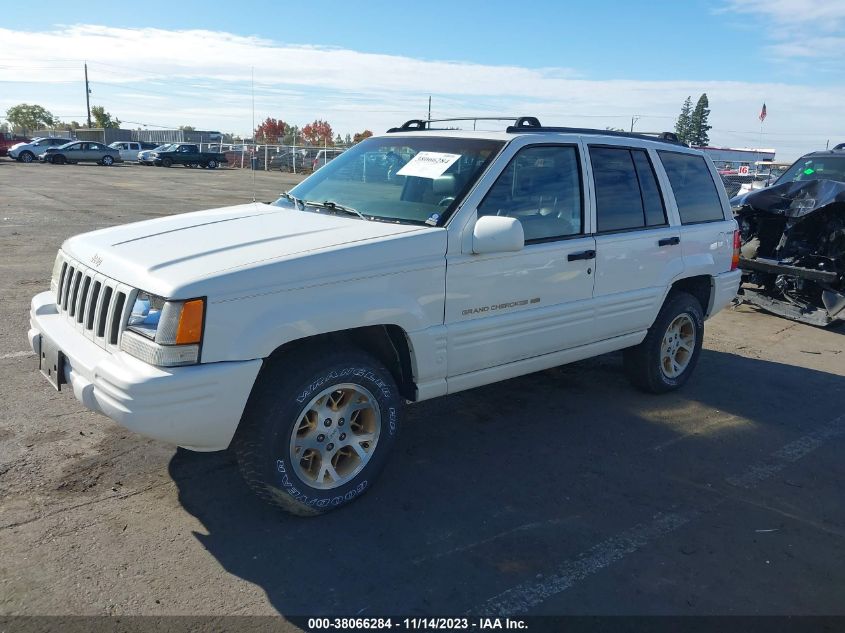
<point>178,256</point>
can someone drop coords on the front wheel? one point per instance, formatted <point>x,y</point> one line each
<point>318,428</point>
<point>26,157</point>
<point>669,353</point>
<point>166,162</point>
<point>108,161</point>
<point>212,164</point>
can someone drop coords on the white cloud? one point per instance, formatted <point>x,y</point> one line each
<point>799,31</point>
<point>202,78</point>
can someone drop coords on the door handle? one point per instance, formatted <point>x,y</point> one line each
<point>582,255</point>
<point>669,241</point>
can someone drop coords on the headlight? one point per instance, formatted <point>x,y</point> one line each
<point>164,333</point>
<point>57,271</point>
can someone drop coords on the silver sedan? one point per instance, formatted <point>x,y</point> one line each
<point>82,151</point>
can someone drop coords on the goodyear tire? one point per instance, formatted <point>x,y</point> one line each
<point>318,428</point>
<point>667,357</point>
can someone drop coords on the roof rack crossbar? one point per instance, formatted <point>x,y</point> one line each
<point>425,124</point>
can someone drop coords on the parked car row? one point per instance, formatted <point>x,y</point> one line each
<point>60,151</point>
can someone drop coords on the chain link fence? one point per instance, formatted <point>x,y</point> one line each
<point>742,178</point>
<point>295,159</point>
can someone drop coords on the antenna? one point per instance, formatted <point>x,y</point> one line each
<point>87,95</point>
<point>252,159</point>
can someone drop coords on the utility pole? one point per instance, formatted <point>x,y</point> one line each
<point>429,107</point>
<point>634,119</point>
<point>87,95</point>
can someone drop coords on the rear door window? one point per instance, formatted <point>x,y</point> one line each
<point>627,194</point>
<point>695,192</point>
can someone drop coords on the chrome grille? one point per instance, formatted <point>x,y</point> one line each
<point>96,305</point>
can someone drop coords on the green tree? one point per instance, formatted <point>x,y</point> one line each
<point>682,125</point>
<point>293,135</point>
<point>187,128</point>
<point>698,122</point>
<point>25,117</point>
<point>102,118</point>
<point>60,125</point>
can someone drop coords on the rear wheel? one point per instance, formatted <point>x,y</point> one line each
<point>26,157</point>
<point>318,428</point>
<point>667,357</point>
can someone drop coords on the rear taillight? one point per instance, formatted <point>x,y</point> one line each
<point>737,245</point>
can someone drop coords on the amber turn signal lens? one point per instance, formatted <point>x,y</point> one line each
<point>737,247</point>
<point>190,322</point>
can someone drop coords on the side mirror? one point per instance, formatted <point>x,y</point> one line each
<point>497,234</point>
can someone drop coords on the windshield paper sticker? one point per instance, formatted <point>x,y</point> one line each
<point>428,165</point>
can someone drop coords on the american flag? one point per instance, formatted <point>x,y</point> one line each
<point>763,113</point>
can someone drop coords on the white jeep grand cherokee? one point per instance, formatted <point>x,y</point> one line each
<point>416,264</point>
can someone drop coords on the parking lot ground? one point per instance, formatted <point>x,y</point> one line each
<point>561,492</point>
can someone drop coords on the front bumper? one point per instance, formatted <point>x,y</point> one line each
<point>197,407</point>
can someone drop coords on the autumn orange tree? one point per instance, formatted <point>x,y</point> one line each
<point>271,130</point>
<point>318,133</point>
<point>360,136</point>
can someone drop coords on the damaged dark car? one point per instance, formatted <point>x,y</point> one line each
<point>793,241</point>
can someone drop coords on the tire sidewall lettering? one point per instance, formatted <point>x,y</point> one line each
<point>316,502</point>
<point>357,372</point>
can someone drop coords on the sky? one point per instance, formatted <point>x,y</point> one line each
<point>373,65</point>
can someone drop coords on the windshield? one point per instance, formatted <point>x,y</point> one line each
<point>407,179</point>
<point>815,168</point>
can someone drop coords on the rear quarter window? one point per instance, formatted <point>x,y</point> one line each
<point>695,192</point>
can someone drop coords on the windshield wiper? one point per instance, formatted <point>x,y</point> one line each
<point>334,206</point>
<point>297,203</point>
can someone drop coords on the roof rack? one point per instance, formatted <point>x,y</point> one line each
<point>425,124</point>
<point>663,137</point>
<point>532,124</point>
